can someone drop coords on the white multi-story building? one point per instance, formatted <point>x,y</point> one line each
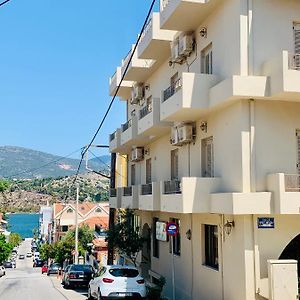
<point>213,145</point>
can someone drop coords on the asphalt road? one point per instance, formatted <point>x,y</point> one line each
<point>27,283</point>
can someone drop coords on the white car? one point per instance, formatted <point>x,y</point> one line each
<point>117,281</point>
<point>2,271</point>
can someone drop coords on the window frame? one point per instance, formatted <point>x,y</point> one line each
<point>211,246</point>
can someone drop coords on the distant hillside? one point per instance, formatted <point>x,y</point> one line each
<point>22,163</point>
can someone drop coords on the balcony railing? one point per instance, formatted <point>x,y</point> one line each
<point>171,90</point>
<point>292,182</point>
<point>126,59</point>
<point>127,191</point>
<point>172,187</point>
<point>112,136</point>
<point>126,125</point>
<point>145,111</point>
<point>164,4</point>
<point>147,28</point>
<point>294,61</point>
<point>113,193</point>
<point>146,189</point>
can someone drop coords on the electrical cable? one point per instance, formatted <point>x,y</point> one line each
<point>117,90</point>
<point>43,166</point>
<point>4,2</point>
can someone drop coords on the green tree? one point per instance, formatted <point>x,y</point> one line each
<point>125,236</point>
<point>15,239</point>
<point>85,236</point>
<point>4,185</point>
<point>47,251</point>
<point>5,249</point>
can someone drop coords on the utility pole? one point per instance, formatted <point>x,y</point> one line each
<point>110,258</point>
<point>76,223</point>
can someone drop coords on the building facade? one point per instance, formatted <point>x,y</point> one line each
<point>212,144</point>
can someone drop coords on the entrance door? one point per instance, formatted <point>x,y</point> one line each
<point>207,157</point>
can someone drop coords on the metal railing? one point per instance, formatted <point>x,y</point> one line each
<point>147,109</point>
<point>113,193</point>
<point>172,187</point>
<point>126,59</point>
<point>171,90</point>
<point>113,77</point>
<point>147,28</point>
<point>127,191</point>
<point>126,125</point>
<point>146,189</point>
<point>112,136</point>
<point>294,61</point>
<point>164,4</point>
<point>292,182</point>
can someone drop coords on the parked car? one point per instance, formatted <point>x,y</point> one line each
<point>21,256</point>
<point>38,263</point>
<point>8,264</point>
<point>2,271</point>
<point>117,281</point>
<point>76,275</point>
<point>29,254</point>
<point>53,268</point>
<point>44,269</point>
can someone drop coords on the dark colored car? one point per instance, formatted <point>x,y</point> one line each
<point>77,275</point>
<point>21,256</point>
<point>7,264</point>
<point>38,263</point>
<point>53,269</point>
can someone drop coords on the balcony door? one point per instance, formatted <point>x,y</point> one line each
<point>207,154</point>
<point>207,60</point>
<point>174,164</point>
<point>132,175</point>
<point>148,171</point>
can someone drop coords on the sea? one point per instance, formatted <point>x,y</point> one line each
<point>23,223</point>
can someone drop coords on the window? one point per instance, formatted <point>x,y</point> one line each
<point>175,239</point>
<point>98,210</point>
<point>64,228</point>
<point>206,60</point>
<point>207,157</point>
<point>132,174</point>
<point>174,164</point>
<point>211,246</point>
<point>154,240</point>
<point>136,222</point>
<point>70,210</point>
<point>148,171</point>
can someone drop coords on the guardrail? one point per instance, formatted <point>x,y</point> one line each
<point>113,193</point>
<point>127,191</point>
<point>147,109</point>
<point>112,136</point>
<point>292,182</point>
<point>171,90</point>
<point>126,125</point>
<point>164,4</point>
<point>172,187</point>
<point>294,61</point>
<point>146,189</point>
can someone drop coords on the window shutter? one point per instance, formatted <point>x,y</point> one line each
<point>148,171</point>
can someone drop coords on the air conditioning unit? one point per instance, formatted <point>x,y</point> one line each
<point>137,154</point>
<point>175,57</point>
<point>174,136</point>
<point>138,93</point>
<point>185,134</point>
<point>186,45</point>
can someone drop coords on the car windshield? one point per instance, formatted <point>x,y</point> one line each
<point>124,272</point>
<point>55,266</point>
<point>84,268</point>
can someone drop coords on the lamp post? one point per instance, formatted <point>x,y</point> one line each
<point>76,224</point>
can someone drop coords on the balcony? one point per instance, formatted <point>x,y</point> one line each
<point>115,198</point>
<point>155,42</point>
<point>130,197</point>
<point>236,88</point>
<point>284,73</point>
<point>149,123</point>
<point>139,69</point>
<point>115,141</point>
<point>185,15</point>
<point>124,91</point>
<point>241,203</point>
<point>187,98</point>
<point>286,192</point>
<point>191,195</point>
<point>149,198</point>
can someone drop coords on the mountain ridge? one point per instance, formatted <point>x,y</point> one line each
<point>24,163</point>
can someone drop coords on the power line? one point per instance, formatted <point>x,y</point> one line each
<point>4,2</point>
<point>45,165</point>
<point>117,90</point>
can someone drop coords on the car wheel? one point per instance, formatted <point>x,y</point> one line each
<point>90,294</point>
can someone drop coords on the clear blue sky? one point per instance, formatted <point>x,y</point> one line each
<point>56,57</point>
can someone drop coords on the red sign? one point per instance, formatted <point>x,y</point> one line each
<point>172,229</point>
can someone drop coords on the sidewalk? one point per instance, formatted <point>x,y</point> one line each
<point>78,294</point>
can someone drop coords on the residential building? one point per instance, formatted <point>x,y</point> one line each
<point>64,216</point>
<point>45,221</point>
<point>212,140</point>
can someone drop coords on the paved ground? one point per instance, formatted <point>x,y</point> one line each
<point>27,283</point>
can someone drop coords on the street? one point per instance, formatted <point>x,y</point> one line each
<point>27,283</point>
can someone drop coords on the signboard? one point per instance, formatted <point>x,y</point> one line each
<point>161,232</point>
<point>172,229</point>
<point>265,223</point>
